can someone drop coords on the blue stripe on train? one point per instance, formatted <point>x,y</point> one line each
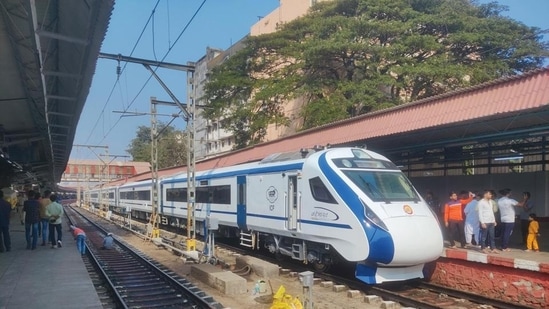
<point>381,244</point>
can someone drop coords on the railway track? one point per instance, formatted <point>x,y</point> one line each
<point>126,278</point>
<point>416,294</point>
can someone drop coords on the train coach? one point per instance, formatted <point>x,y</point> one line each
<point>339,204</point>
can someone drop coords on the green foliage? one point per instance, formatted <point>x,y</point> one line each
<point>351,57</point>
<point>172,150</point>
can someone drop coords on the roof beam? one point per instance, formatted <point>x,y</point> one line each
<point>60,114</point>
<point>57,36</point>
<point>61,74</point>
<point>60,126</point>
<point>59,97</point>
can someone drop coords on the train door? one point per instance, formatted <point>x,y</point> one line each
<point>241,202</point>
<point>292,202</point>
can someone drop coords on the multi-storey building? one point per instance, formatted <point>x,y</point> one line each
<point>212,139</point>
<point>202,126</point>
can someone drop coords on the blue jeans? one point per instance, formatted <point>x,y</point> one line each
<point>45,227</point>
<point>81,244</point>
<point>507,231</point>
<point>490,232</point>
<point>31,231</point>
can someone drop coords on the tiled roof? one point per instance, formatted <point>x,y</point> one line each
<point>517,94</point>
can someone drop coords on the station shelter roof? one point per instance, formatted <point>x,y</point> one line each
<point>48,56</point>
<point>516,106</point>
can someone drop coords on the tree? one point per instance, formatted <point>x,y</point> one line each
<point>172,150</point>
<point>351,57</point>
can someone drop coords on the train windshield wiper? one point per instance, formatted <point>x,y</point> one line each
<point>374,191</point>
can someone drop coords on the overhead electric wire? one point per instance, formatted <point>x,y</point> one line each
<point>150,76</point>
<point>119,73</point>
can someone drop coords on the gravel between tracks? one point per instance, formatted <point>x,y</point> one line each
<point>323,298</point>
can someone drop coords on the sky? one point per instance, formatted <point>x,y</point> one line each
<point>173,35</point>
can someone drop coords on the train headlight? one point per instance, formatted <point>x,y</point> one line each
<point>372,217</point>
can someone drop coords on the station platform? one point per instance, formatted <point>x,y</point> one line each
<point>516,258</point>
<point>514,276</point>
<point>44,278</point>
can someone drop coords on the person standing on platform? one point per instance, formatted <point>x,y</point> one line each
<point>80,237</point>
<point>506,206</point>
<point>31,209</point>
<point>472,225</point>
<point>20,201</point>
<point>108,242</point>
<point>44,220</point>
<point>453,220</point>
<point>5,212</point>
<point>487,221</point>
<point>527,208</point>
<point>54,212</point>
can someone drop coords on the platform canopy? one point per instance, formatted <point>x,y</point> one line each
<point>48,55</point>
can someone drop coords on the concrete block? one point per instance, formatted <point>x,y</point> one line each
<point>372,299</point>
<point>326,284</point>
<point>339,288</point>
<point>316,281</point>
<point>205,273</point>
<point>261,268</point>
<point>224,281</point>
<point>229,283</point>
<point>389,305</point>
<point>284,271</point>
<point>353,293</point>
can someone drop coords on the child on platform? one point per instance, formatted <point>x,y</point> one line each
<point>533,234</point>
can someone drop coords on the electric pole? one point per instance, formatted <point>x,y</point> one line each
<point>188,114</point>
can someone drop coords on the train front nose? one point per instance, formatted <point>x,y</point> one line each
<point>416,241</point>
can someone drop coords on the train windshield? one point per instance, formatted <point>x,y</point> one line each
<point>383,186</point>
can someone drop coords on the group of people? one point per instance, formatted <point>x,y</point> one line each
<point>473,219</point>
<point>42,218</point>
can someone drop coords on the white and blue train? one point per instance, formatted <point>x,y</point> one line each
<point>336,204</point>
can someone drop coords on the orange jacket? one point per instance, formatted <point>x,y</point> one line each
<point>453,209</point>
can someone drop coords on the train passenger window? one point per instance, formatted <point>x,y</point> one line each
<point>176,195</point>
<point>320,192</point>
<point>221,194</point>
<point>144,195</point>
<point>202,195</point>
<point>214,194</point>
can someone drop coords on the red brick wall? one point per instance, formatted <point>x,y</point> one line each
<point>509,284</point>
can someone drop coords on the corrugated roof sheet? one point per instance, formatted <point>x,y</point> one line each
<point>522,93</point>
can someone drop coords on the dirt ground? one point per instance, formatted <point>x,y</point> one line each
<point>323,298</point>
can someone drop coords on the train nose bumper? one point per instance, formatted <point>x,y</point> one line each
<point>417,241</point>
<point>372,274</point>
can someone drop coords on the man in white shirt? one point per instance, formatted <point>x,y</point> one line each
<point>487,222</point>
